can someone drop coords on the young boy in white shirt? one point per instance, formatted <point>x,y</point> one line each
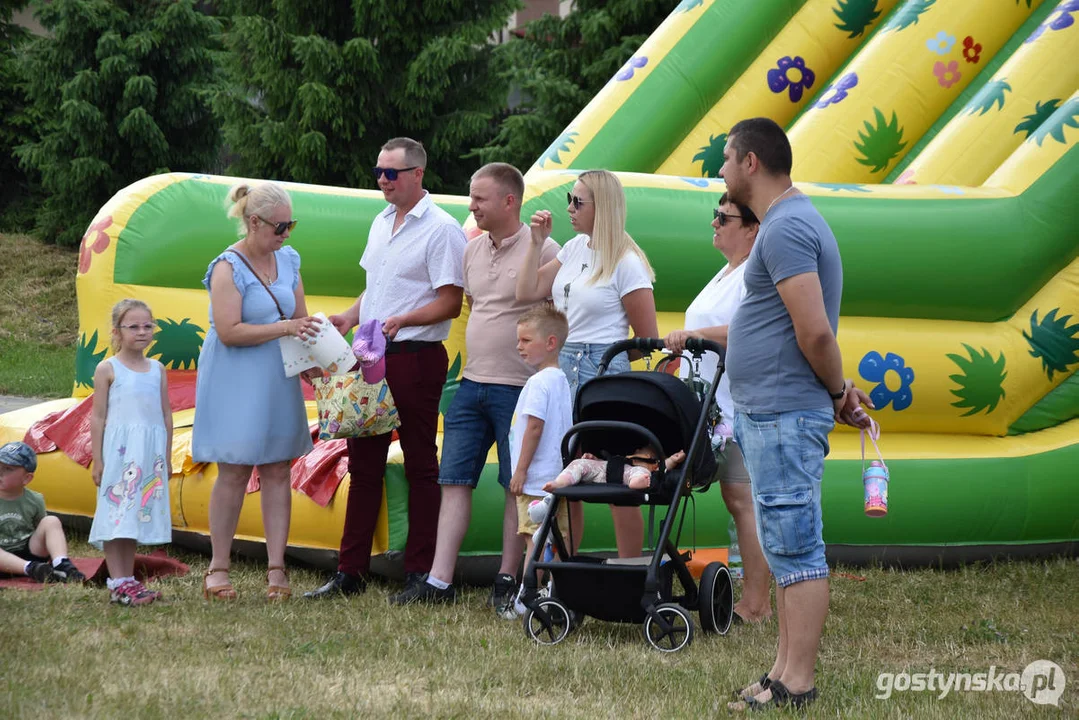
<point>542,416</point>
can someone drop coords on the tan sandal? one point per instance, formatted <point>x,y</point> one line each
<point>277,593</point>
<point>220,592</point>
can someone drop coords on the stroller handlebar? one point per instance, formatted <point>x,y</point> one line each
<point>697,346</point>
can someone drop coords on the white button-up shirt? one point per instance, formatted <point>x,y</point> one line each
<point>406,268</point>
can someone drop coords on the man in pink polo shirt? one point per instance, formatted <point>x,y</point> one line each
<point>482,410</point>
<point>413,263</point>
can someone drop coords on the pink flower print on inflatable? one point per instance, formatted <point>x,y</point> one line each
<point>947,75</point>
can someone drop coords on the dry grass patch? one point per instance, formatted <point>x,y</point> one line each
<point>37,291</point>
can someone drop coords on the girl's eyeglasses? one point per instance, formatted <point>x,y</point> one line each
<point>144,327</point>
<point>575,201</point>
<point>723,217</point>
<point>279,228</point>
<point>391,173</point>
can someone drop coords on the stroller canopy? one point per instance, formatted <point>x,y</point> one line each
<point>659,402</point>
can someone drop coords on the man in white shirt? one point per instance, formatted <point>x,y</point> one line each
<point>413,260</point>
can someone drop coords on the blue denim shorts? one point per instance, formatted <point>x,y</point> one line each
<point>784,453</point>
<point>580,363</point>
<point>479,417</point>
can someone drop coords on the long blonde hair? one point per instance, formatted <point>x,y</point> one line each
<point>118,311</point>
<point>245,201</point>
<point>610,241</point>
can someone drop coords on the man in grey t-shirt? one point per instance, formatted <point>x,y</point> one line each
<point>787,382</point>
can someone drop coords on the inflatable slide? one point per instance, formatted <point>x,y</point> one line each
<point>937,137</point>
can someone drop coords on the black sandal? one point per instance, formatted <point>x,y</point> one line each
<point>783,697</point>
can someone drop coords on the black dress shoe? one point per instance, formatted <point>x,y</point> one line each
<point>340,584</point>
<point>424,592</point>
<point>414,578</point>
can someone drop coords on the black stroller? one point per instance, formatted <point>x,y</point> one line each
<point>613,415</point>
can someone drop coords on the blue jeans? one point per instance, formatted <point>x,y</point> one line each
<point>784,453</point>
<point>479,416</point>
<point>580,363</point>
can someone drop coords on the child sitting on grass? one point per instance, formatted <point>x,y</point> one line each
<point>31,542</point>
<point>637,473</point>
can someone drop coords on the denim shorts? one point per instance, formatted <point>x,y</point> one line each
<point>784,453</point>
<point>479,417</point>
<point>580,363</point>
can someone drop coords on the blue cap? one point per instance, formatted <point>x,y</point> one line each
<point>18,454</point>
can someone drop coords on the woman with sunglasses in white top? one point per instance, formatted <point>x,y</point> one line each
<point>602,281</point>
<point>734,232</point>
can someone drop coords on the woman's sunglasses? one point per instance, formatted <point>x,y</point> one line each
<point>575,201</point>
<point>391,173</point>
<point>279,228</point>
<point>723,217</point>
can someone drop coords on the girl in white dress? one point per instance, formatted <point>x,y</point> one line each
<point>131,432</point>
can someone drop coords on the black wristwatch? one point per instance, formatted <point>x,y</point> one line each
<point>839,395</point>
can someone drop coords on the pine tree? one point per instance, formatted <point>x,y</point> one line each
<point>560,64</point>
<point>16,191</point>
<point>316,88</point>
<point>123,87</point>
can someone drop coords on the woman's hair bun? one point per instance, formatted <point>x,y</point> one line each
<point>238,191</point>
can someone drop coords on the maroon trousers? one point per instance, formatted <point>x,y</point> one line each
<point>416,380</point>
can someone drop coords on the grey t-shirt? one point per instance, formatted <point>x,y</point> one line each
<point>767,370</point>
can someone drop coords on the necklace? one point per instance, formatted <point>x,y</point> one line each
<point>584,266</point>
<point>263,274</point>
<point>745,257</point>
<point>777,199</point>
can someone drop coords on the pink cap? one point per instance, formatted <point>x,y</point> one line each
<point>369,347</point>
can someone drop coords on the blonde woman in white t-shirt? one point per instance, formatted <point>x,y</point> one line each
<point>707,317</point>
<point>602,281</point>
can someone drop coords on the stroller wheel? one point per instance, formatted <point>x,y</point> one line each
<point>670,629</point>
<point>549,623</point>
<point>716,599</point>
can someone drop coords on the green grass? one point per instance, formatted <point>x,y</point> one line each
<point>38,317</point>
<point>359,657</point>
<point>35,369</point>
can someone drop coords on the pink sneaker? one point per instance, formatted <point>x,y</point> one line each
<point>132,592</point>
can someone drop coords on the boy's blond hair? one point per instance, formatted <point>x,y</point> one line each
<point>548,320</point>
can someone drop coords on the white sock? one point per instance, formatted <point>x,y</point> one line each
<point>26,568</point>
<point>56,561</point>
<point>112,584</point>
<point>432,580</point>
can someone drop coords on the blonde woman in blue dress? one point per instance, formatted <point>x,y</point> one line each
<point>248,414</point>
<point>131,437</point>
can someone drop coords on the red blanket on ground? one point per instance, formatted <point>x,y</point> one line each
<point>317,474</point>
<point>156,564</point>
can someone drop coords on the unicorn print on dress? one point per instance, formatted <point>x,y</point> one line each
<point>152,489</point>
<point>121,495</point>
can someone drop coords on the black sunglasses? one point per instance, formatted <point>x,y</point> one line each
<point>279,228</point>
<point>723,217</point>
<point>643,459</point>
<point>575,201</point>
<point>391,173</point>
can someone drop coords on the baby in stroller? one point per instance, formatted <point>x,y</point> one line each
<point>637,473</point>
